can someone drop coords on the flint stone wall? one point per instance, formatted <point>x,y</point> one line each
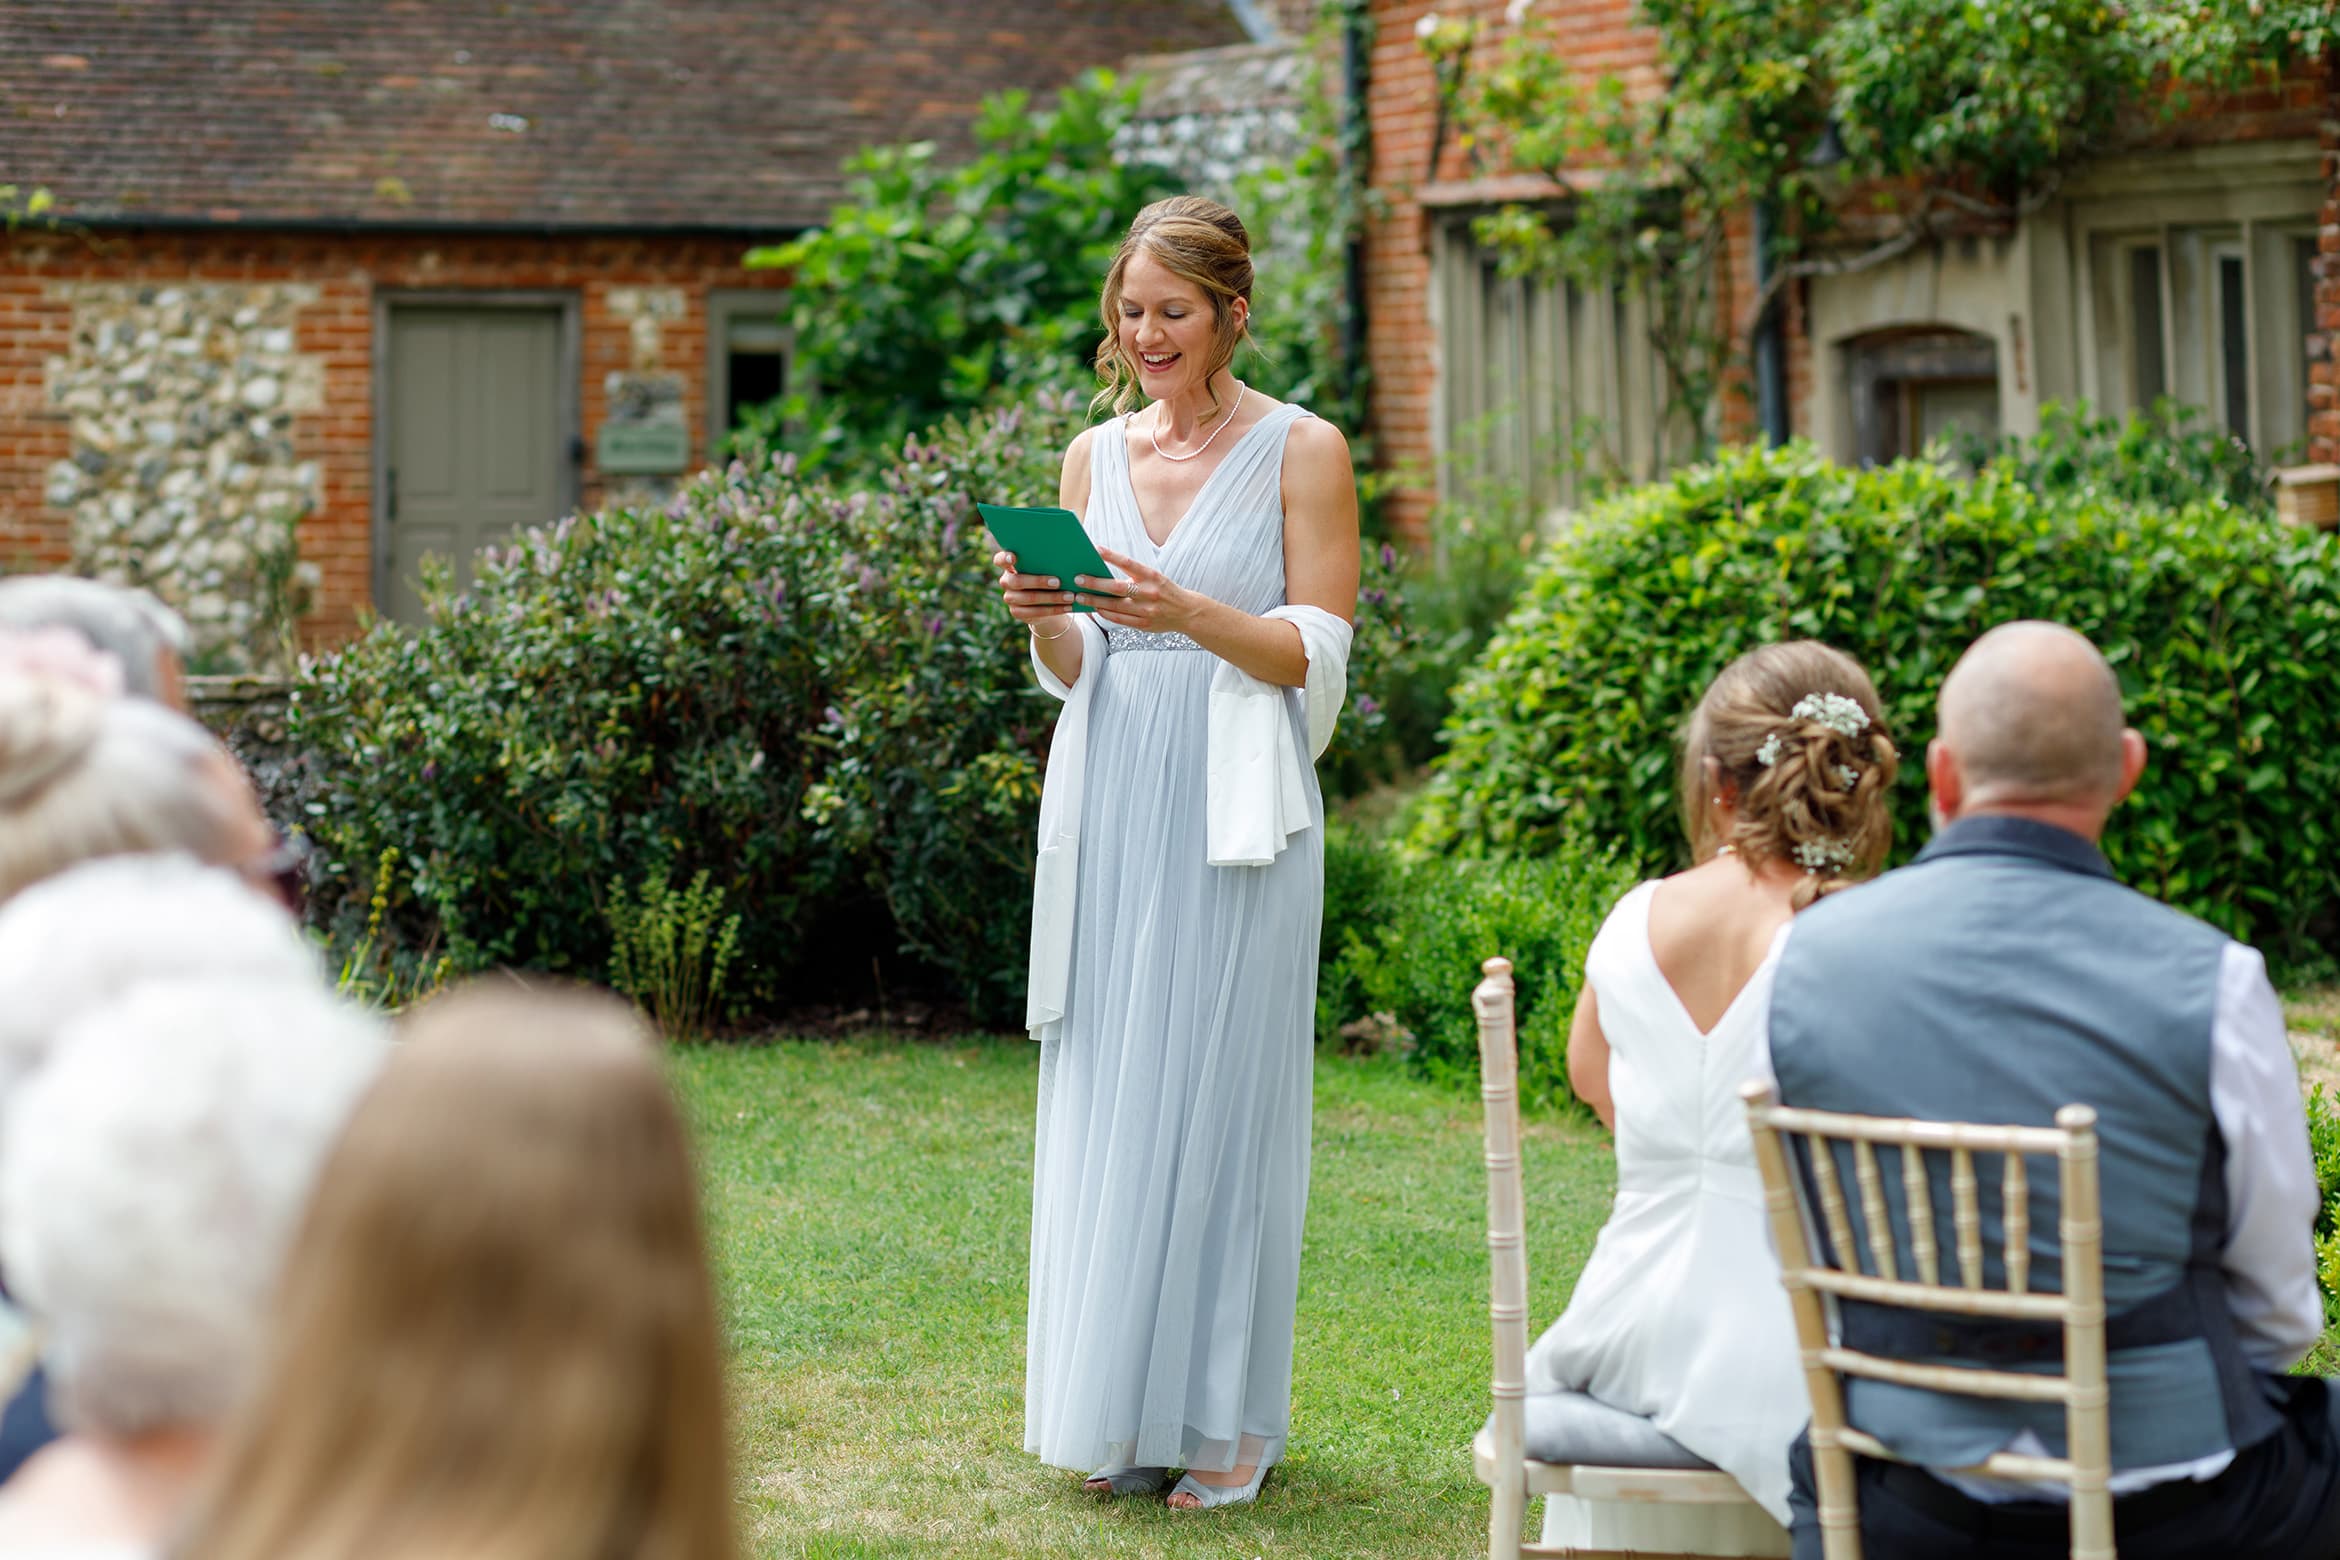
<point>1214,115</point>
<point>183,476</point>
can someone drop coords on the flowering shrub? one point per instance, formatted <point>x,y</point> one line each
<point>2220,624</point>
<point>934,747</point>
<point>626,693</point>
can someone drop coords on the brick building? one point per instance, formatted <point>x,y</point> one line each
<point>2203,263</point>
<point>383,277</point>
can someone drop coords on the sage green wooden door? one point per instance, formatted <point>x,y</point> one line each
<point>476,449</point>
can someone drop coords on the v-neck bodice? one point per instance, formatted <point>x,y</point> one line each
<point>1229,544</point>
<point>1675,1085</point>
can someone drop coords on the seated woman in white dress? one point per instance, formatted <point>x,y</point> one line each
<point>1786,779</point>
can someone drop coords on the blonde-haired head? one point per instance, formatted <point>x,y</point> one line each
<point>496,1331</point>
<point>1806,790</point>
<point>1200,242</point>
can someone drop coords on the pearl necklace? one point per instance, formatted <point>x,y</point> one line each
<point>1153,433</point>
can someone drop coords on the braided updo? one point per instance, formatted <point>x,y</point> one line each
<point>1795,732</point>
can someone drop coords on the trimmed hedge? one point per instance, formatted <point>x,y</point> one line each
<point>1404,940</point>
<point>2222,626</point>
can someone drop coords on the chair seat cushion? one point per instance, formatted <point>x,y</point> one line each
<point>1568,1427</point>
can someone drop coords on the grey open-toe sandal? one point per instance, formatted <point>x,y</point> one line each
<point>1118,1482</point>
<point>1215,1495</point>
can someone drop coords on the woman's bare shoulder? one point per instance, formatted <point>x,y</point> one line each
<point>1317,447</point>
<point>1073,486</point>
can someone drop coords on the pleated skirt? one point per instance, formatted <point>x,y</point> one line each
<point>1170,1174</point>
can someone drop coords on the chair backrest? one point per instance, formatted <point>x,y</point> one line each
<point>1506,1214</point>
<point>1839,1267</point>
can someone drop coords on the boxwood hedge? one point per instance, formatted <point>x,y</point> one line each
<point>2221,625</point>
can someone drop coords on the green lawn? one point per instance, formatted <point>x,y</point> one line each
<point>869,1203</point>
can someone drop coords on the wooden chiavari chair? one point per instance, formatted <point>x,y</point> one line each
<point>1626,1458</point>
<point>1816,1281</point>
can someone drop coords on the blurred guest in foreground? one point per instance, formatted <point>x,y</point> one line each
<point>150,1172</point>
<point>145,638</point>
<point>496,1332</point>
<point>86,936</point>
<point>83,775</point>
<point>83,938</point>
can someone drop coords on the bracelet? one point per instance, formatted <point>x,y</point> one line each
<point>1059,634</point>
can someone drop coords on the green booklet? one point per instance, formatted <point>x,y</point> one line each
<point>1047,541</point>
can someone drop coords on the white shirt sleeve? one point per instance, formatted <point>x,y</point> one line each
<point>2271,1199</point>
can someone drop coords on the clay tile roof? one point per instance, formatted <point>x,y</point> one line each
<point>590,114</point>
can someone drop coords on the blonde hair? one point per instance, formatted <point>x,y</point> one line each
<point>84,776</point>
<point>496,1333</point>
<point>1196,240</point>
<point>1790,771</point>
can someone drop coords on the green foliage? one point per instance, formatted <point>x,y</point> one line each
<point>371,970</point>
<point>2220,625</point>
<point>935,290</point>
<point>1957,111</point>
<point>670,950</point>
<point>1303,213</point>
<point>1410,937</point>
<point>19,205</point>
<point>810,693</point>
<point>807,690</point>
<point>1453,594</point>
<point>627,692</point>
<point>931,753</point>
<point>2324,1147</point>
<point>2172,458</point>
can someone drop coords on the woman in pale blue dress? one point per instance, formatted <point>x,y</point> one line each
<point>1171,1156</point>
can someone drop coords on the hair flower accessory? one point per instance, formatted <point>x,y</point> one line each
<point>1823,855</point>
<point>1768,754</point>
<point>1848,777</point>
<point>1834,711</point>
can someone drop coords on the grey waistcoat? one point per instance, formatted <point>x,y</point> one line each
<point>2000,976</point>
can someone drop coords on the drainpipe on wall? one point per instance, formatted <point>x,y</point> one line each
<point>1260,26</point>
<point>1770,337</point>
<point>1356,170</point>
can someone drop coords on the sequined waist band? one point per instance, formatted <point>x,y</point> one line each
<point>1121,640</point>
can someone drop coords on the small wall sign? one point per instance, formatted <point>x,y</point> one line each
<point>630,448</point>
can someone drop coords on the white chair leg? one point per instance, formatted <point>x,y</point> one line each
<point>1507,1511</point>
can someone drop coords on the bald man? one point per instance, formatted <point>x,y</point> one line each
<point>2000,976</point>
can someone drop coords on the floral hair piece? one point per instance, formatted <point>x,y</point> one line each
<point>1823,855</point>
<point>1833,710</point>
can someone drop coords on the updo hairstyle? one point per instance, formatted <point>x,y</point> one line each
<point>1199,241</point>
<point>1808,792</point>
<point>84,776</point>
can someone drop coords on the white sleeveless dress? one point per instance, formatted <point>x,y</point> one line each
<point>1679,1316</point>
<point>1170,1170</point>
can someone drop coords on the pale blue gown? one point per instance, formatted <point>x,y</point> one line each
<point>1171,1167</point>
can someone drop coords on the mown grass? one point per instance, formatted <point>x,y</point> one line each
<point>869,1209</point>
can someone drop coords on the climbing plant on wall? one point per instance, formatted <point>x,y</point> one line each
<point>1918,117</point>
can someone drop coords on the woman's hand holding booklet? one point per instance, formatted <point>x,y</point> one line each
<point>1049,544</point>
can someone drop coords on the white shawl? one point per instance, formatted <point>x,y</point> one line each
<point>1256,798</point>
